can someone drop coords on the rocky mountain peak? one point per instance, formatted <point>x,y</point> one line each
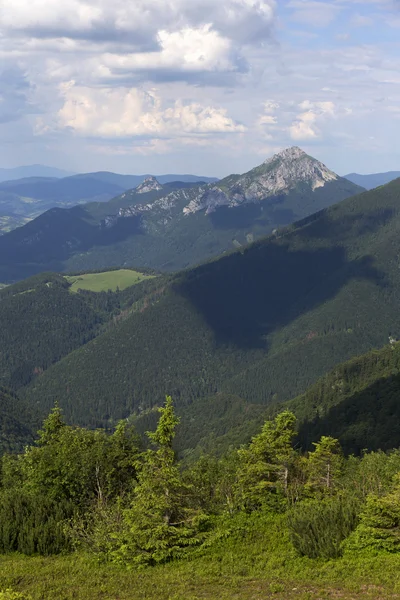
<point>292,153</point>
<point>150,184</point>
<point>286,171</point>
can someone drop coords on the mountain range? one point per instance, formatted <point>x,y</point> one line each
<point>227,339</point>
<point>173,225</point>
<point>21,200</point>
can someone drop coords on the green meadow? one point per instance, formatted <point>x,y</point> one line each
<point>255,563</point>
<point>108,280</point>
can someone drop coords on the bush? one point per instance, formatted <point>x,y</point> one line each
<point>32,524</point>
<point>10,595</point>
<point>379,527</point>
<point>318,528</point>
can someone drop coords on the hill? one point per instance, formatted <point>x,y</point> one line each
<point>41,321</point>
<point>172,226</point>
<point>253,328</point>
<point>374,180</point>
<point>357,402</point>
<point>18,423</point>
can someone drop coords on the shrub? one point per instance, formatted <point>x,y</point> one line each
<point>318,528</point>
<point>10,595</point>
<point>379,527</point>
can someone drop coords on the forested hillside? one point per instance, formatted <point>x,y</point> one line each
<point>261,324</point>
<point>41,321</point>
<point>18,422</point>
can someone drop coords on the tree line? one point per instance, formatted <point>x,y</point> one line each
<point>133,503</point>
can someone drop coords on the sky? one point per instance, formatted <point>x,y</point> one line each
<point>208,87</point>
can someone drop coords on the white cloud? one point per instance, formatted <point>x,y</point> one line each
<point>305,126</point>
<point>136,21</point>
<point>120,113</point>
<point>187,50</point>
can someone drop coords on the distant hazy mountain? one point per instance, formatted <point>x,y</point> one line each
<point>173,225</point>
<point>372,181</point>
<point>21,200</point>
<point>32,171</point>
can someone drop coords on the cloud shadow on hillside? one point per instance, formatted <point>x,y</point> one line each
<point>250,293</point>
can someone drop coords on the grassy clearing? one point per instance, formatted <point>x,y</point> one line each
<point>256,563</point>
<point>109,280</point>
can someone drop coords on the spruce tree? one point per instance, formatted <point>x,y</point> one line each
<point>161,523</point>
<point>266,465</point>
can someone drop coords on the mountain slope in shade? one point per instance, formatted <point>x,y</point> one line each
<point>259,325</point>
<point>372,181</point>
<point>173,226</point>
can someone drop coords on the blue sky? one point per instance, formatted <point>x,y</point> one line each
<point>199,86</point>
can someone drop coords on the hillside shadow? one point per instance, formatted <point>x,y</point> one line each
<point>248,294</point>
<point>369,419</point>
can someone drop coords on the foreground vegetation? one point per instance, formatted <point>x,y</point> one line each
<point>257,564</point>
<point>102,516</point>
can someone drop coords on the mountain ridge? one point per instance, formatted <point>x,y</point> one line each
<point>159,230</point>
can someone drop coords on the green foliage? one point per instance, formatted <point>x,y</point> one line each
<point>266,465</point>
<point>160,524</point>
<point>325,465</point>
<point>318,528</point>
<point>59,480</point>
<point>10,595</point>
<point>379,527</point>
<point>33,523</point>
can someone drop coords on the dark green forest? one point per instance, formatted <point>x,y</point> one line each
<point>260,324</point>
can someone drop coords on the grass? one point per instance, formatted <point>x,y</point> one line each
<point>108,280</point>
<point>256,563</point>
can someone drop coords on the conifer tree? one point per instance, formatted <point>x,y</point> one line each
<point>264,474</point>
<point>161,523</point>
<point>325,465</point>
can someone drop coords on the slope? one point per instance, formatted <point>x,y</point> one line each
<point>41,320</point>
<point>260,324</point>
<point>358,402</point>
<point>175,225</point>
<point>18,422</point>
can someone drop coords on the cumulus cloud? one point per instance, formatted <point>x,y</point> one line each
<point>135,22</point>
<point>305,126</point>
<point>120,113</point>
